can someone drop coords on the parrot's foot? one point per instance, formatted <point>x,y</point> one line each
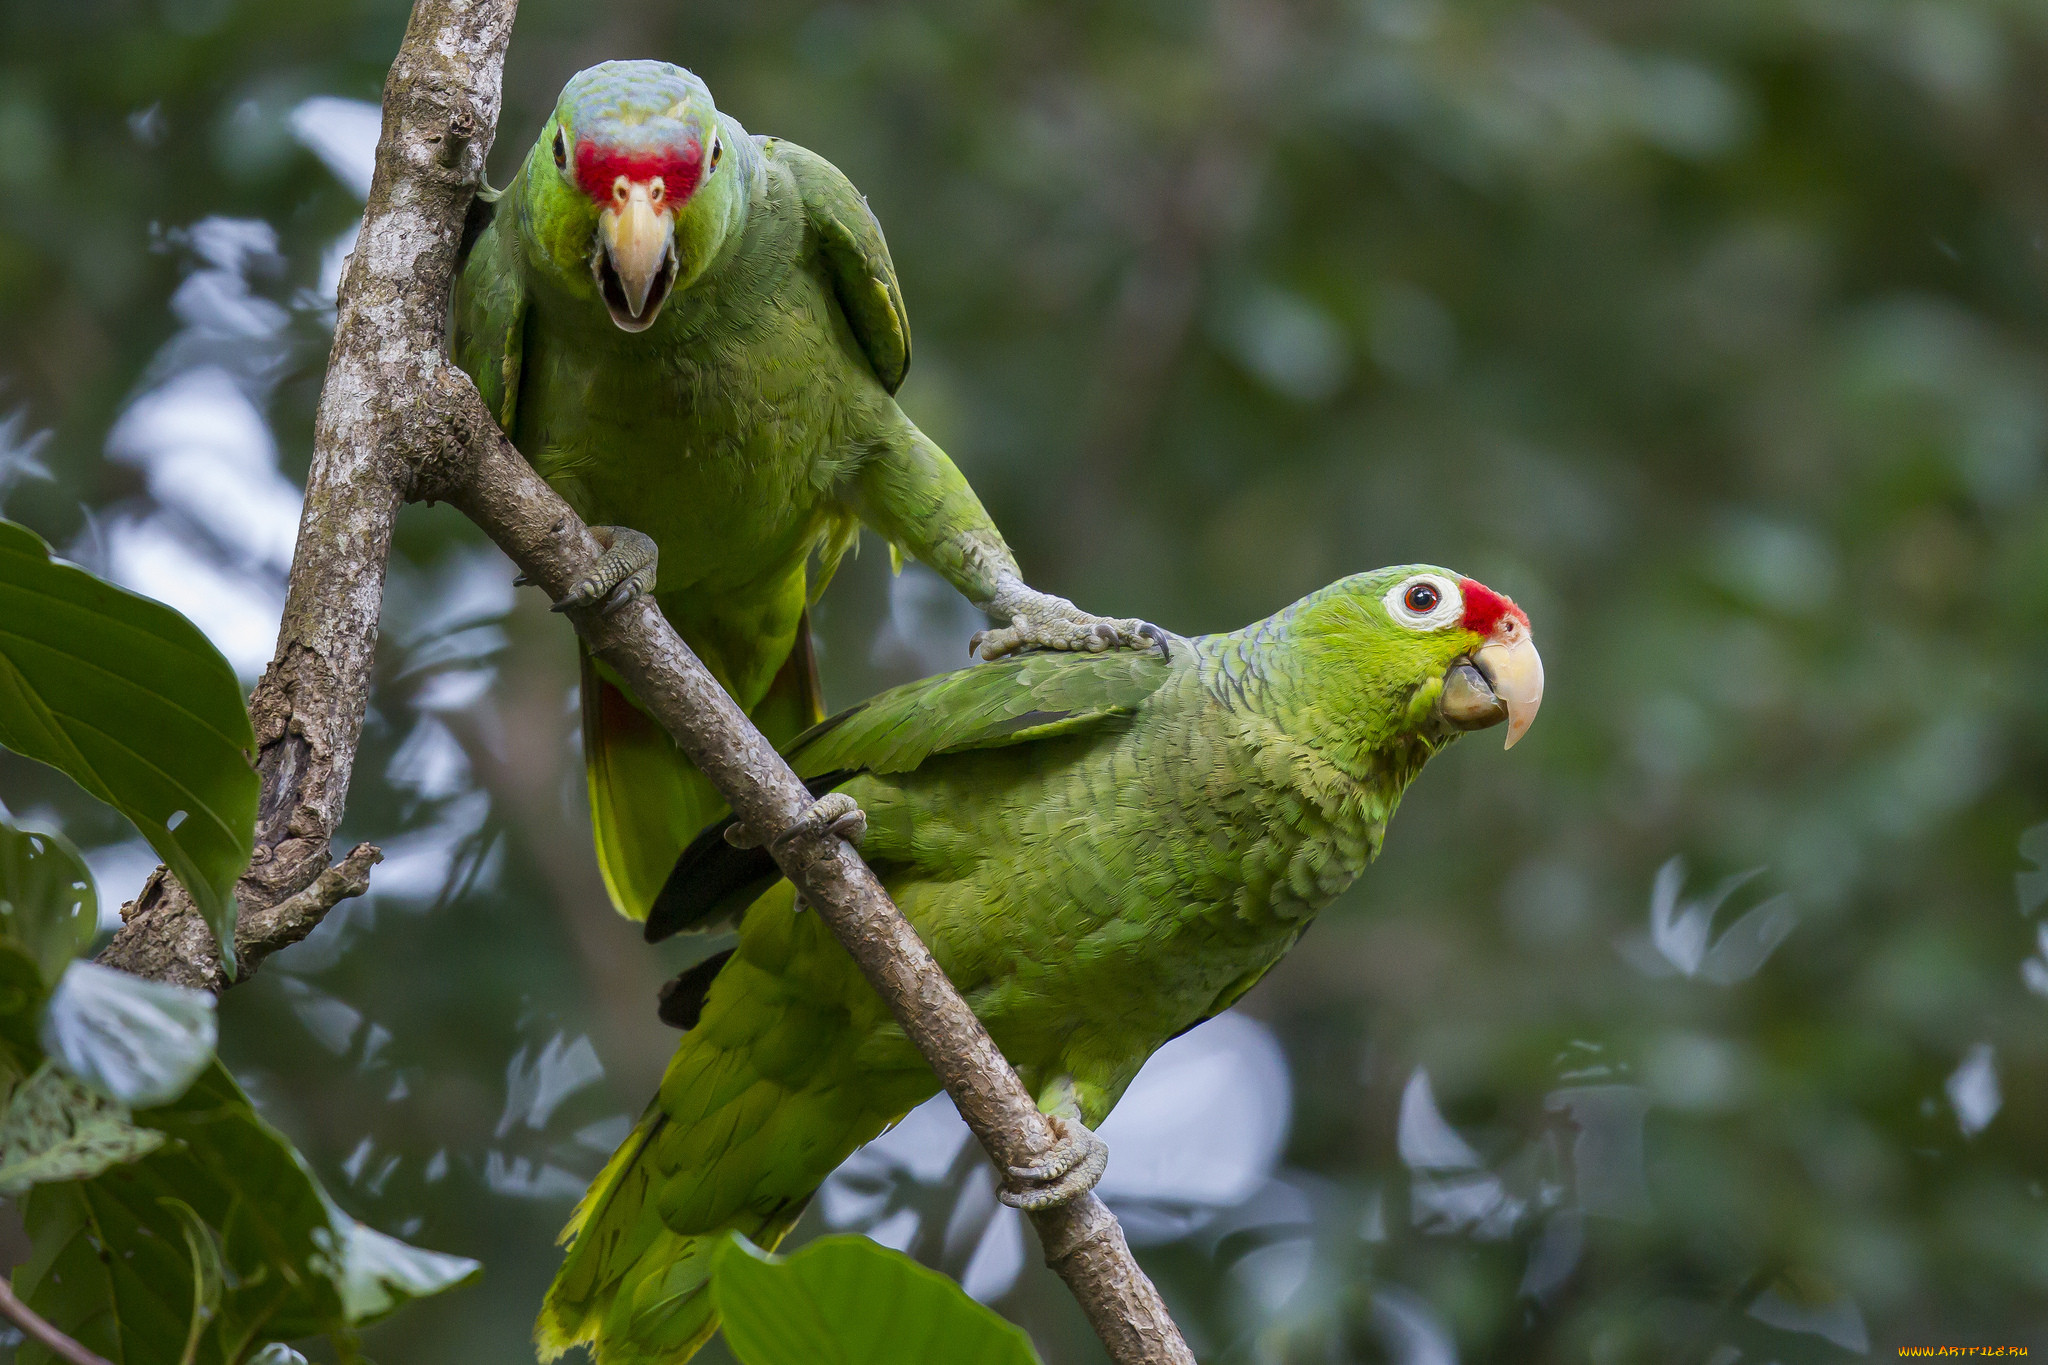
<point>833,813</point>
<point>1041,621</point>
<point>1069,1170</point>
<point>625,570</point>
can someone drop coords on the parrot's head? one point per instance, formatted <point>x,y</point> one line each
<point>1438,652</point>
<point>638,182</point>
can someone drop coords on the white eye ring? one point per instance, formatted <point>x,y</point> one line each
<point>1403,599</point>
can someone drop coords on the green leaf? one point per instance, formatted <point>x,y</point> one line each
<point>851,1301</point>
<point>380,1274</point>
<point>295,1266</point>
<point>57,1128</point>
<point>47,902</point>
<point>22,992</point>
<point>133,703</point>
<point>141,1042</point>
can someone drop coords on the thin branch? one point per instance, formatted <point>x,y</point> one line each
<point>1083,1243</point>
<point>263,932</point>
<point>38,1327</point>
<point>397,419</point>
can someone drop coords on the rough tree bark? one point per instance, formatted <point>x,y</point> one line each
<point>481,473</point>
<point>397,420</point>
<point>440,113</point>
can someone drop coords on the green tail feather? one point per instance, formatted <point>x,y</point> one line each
<point>631,1290</point>
<point>647,801</point>
<point>741,1136</point>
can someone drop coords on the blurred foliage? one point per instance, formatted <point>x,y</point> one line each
<point>1713,332</point>
<point>207,1244</point>
<point>168,1223</point>
<point>48,905</point>
<point>129,700</point>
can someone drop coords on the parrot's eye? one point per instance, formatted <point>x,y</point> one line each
<point>717,151</point>
<point>561,151</point>
<point>1426,601</point>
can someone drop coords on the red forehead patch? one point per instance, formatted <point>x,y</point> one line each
<point>680,168</point>
<point>1484,607</point>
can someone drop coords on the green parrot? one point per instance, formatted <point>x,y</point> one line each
<point>1101,851</point>
<point>696,336</point>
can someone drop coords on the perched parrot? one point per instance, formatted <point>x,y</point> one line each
<point>696,336</point>
<point>1101,850</point>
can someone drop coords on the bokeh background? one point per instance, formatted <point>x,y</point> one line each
<point>1706,1027</point>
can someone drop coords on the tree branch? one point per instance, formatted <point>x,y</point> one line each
<point>554,549</point>
<point>263,932</point>
<point>397,419</point>
<point>41,1331</point>
<point>440,113</point>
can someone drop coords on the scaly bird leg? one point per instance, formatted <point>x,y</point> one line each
<point>1041,621</point>
<point>625,570</point>
<point>834,812</point>
<point>1070,1169</point>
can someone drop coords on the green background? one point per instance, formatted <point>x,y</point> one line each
<point>1712,332</point>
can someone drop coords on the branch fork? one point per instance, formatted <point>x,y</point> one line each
<point>397,422</point>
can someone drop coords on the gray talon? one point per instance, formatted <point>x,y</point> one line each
<point>834,813</point>
<point>639,585</point>
<point>1040,621</point>
<point>1070,1169</point>
<point>625,571</point>
<point>1157,637</point>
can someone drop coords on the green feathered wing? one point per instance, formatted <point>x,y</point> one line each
<point>856,256</point>
<point>1014,701</point>
<point>762,1100</point>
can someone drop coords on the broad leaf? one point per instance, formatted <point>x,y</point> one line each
<point>850,1301</point>
<point>22,993</point>
<point>380,1274</point>
<point>294,1265</point>
<point>131,701</point>
<point>57,1128</point>
<point>141,1042</point>
<point>47,902</point>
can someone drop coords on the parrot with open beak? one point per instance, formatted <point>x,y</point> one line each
<point>1100,850</point>
<point>696,336</point>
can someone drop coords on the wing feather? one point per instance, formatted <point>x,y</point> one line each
<point>850,242</point>
<point>490,313</point>
<point>1020,700</point>
<point>1012,701</point>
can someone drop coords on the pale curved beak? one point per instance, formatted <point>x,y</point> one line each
<point>1514,671</point>
<point>637,240</point>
